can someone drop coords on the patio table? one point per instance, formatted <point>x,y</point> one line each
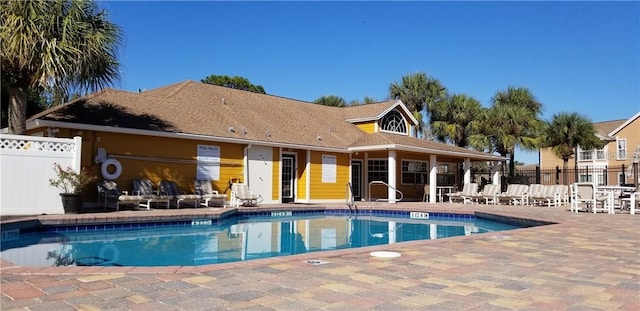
<point>442,189</point>
<point>611,190</point>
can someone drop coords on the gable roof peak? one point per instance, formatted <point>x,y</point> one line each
<point>624,124</point>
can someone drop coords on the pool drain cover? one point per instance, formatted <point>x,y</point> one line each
<point>316,262</point>
<point>385,254</point>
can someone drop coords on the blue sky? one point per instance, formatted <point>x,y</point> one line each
<point>573,56</point>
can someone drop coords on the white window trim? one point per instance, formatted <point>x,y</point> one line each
<point>404,120</point>
<point>618,150</point>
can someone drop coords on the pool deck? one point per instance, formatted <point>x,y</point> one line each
<point>583,262</point>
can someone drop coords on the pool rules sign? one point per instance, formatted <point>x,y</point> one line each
<point>329,168</point>
<point>208,159</point>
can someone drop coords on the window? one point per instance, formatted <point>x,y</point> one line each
<point>585,155</point>
<point>622,148</point>
<point>378,170</point>
<point>394,122</point>
<point>600,154</point>
<point>585,178</point>
<point>415,172</point>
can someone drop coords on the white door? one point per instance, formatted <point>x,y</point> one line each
<point>259,170</point>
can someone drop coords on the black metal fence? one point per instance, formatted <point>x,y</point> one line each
<point>601,175</point>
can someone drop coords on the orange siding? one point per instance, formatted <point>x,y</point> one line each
<point>301,174</point>
<point>160,158</point>
<point>275,180</point>
<point>335,190</point>
<point>367,127</point>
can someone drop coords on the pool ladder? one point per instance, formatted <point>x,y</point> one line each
<point>350,199</point>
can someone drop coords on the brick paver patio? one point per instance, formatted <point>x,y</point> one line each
<point>584,262</point>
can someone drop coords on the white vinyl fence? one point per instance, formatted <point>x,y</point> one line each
<point>26,165</point>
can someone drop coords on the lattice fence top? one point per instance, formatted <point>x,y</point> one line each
<point>36,145</point>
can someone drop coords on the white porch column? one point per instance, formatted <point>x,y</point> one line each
<point>495,173</point>
<point>77,159</point>
<point>391,193</point>
<point>308,177</point>
<point>433,178</point>
<point>467,171</point>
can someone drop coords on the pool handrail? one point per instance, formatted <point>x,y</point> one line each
<point>380,182</point>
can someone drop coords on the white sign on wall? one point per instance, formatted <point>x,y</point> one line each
<point>208,159</point>
<point>329,168</point>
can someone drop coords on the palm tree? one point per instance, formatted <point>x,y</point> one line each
<point>367,100</point>
<point>419,93</point>
<point>565,132</point>
<point>524,129</point>
<point>57,45</point>
<point>455,119</point>
<point>330,100</point>
<point>512,121</point>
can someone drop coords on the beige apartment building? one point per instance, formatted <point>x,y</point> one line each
<point>616,163</point>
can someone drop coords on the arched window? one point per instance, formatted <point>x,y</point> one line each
<point>394,122</point>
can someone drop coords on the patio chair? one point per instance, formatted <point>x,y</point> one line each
<point>242,195</point>
<point>170,188</point>
<point>467,190</point>
<point>632,202</point>
<point>587,194</point>
<point>208,195</point>
<point>425,196</point>
<point>108,191</point>
<point>144,188</point>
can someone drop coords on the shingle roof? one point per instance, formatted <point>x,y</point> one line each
<point>408,143</point>
<point>606,127</point>
<point>367,111</point>
<point>203,109</point>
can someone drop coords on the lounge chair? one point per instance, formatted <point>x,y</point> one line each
<point>467,191</point>
<point>108,190</point>
<point>536,190</point>
<point>144,188</point>
<point>546,194</point>
<point>170,188</point>
<point>488,194</point>
<point>208,195</point>
<point>242,195</point>
<point>587,194</point>
<point>515,194</point>
<point>551,195</point>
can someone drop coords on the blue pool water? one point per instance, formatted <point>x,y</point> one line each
<point>206,241</point>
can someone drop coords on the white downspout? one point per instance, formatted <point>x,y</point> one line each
<point>245,172</point>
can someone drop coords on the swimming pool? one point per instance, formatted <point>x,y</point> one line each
<point>242,237</point>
